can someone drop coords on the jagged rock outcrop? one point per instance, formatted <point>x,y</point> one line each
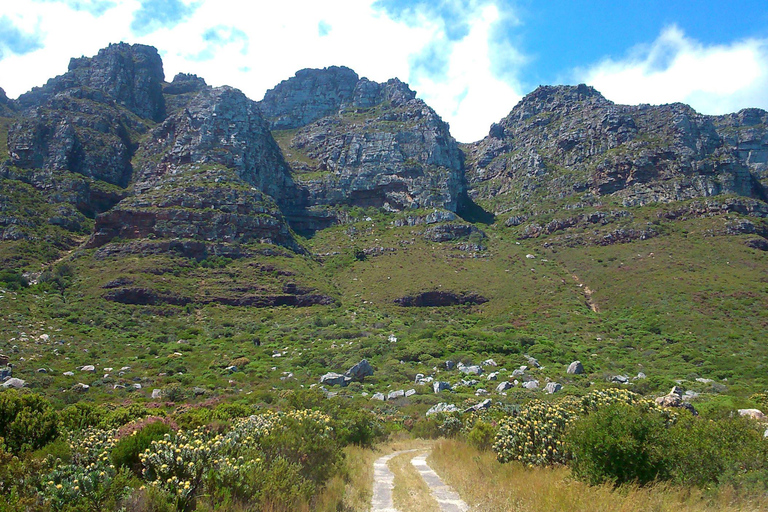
<point>131,75</point>
<point>560,141</point>
<point>308,96</point>
<point>364,143</point>
<point>7,107</point>
<point>200,204</point>
<point>746,133</point>
<point>219,126</point>
<point>76,132</point>
<point>182,90</point>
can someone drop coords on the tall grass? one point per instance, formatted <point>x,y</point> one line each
<point>488,485</point>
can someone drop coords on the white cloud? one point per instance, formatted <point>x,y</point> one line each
<point>713,79</point>
<point>283,37</point>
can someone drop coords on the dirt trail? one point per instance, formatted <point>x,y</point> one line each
<point>587,294</point>
<point>384,483</point>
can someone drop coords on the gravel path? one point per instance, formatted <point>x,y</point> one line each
<point>384,482</point>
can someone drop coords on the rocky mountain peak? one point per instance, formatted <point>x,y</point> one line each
<point>219,126</point>
<point>309,95</point>
<point>554,99</point>
<point>184,83</point>
<point>132,75</point>
<point>3,97</point>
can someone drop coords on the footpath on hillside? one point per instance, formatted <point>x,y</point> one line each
<point>384,483</point>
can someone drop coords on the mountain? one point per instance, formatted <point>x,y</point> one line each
<point>313,227</point>
<point>570,143</point>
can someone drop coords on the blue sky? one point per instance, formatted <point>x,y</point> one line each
<point>471,60</point>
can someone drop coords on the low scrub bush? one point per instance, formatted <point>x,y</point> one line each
<point>127,450</point>
<point>619,443</point>
<point>27,421</point>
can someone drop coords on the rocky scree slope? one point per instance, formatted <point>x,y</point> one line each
<point>355,142</point>
<point>570,143</point>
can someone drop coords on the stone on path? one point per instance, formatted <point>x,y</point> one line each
<point>383,483</point>
<point>446,497</point>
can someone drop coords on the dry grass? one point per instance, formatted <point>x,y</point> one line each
<point>411,493</point>
<point>487,485</point>
<point>353,492</point>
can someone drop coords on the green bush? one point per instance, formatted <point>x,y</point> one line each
<point>80,415</point>
<point>27,421</point>
<point>304,437</point>
<point>12,280</point>
<point>426,428</point>
<point>126,451</point>
<point>358,427</point>
<point>732,450</point>
<point>481,435</point>
<point>619,444</point>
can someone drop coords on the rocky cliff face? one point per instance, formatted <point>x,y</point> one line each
<point>569,141</point>
<point>219,126</point>
<point>308,96</point>
<point>212,172</point>
<point>367,144</point>
<point>76,136</point>
<point>746,134</point>
<point>131,75</point>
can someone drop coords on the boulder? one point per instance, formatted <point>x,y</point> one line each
<point>80,387</point>
<point>334,379</point>
<point>410,392</point>
<point>88,368</point>
<point>755,414</point>
<point>620,379</point>
<point>425,380</point>
<point>231,368</point>
<point>489,362</point>
<point>13,382</point>
<point>6,373</point>
<point>450,365</point>
<point>394,395</point>
<point>485,404</point>
<point>676,390</point>
<point>493,376</point>
<point>575,368</point>
<point>418,377</point>
<point>471,370</point>
<point>518,373</point>
<point>198,391</point>
<point>552,387</point>
<point>439,386</point>
<point>156,393</point>
<point>504,386</point>
<point>531,384</point>
<point>532,361</point>
<point>69,374</point>
<point>481,392</point>
<point>360,370</point>
<point>4,360</point>
<point>42,370</point>
<point>378,396</point>
<point>442,408</point>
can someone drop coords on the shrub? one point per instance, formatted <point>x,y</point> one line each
<point>304,437</point>
<point>80,415</point>
<point>701,452</point>
<point>426,428</point>
<point>126,451</point>
<point>619,444</point>
<point>534,435</point>
<point>12,280</point>
<point>27,421</point>
<point>358,427</point>
<point>481,435</point>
